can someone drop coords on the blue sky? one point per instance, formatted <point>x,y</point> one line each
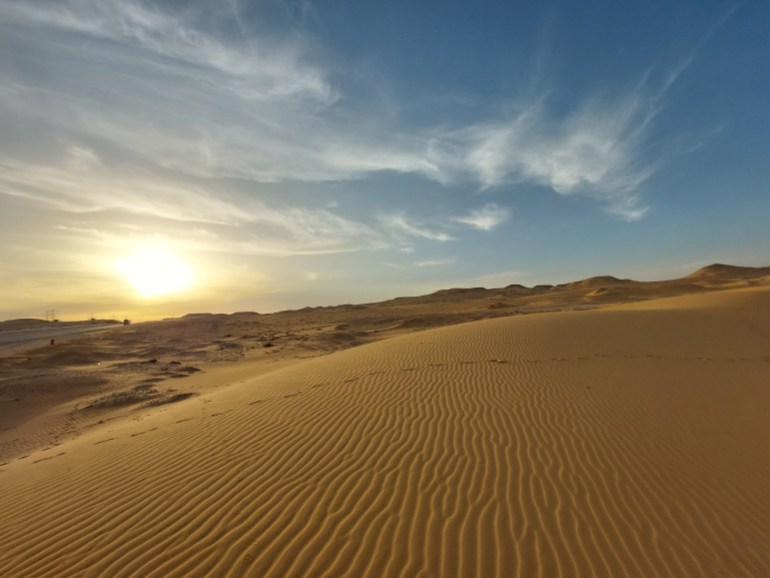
<point>306,153</point>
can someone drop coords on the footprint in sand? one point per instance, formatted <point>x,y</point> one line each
<point>133,435</point>
<point>48,458</point>
<point>105,441</point>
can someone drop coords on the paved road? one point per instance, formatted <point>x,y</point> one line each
<point>14,341</point>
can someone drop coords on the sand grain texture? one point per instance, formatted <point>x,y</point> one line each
<point>628,441</point>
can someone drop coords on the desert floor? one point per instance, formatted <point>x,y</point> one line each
<point>624,440</point>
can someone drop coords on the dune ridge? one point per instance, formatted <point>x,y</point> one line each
<point>629,441</point>
<point>44,389</point>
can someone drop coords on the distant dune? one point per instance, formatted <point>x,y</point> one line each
<point>719,274</point>
<point>622,440</point>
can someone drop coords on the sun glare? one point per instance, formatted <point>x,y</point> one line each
<point>155,273</point>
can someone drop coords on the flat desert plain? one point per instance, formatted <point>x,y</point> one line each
<point>621,440</point>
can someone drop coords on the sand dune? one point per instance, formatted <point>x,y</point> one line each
<point>43,391</point>
<point>627,441</point>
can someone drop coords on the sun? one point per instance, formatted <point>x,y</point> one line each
<point>155,273</point>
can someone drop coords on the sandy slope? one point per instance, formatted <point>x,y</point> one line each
<point>51,394</point>
<point>629,441</point>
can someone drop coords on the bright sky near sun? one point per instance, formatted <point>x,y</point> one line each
<point>165,157</point>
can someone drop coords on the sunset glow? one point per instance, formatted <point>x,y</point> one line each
<point>155,273</point>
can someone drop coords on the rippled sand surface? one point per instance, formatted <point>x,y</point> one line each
<point>625,441</point>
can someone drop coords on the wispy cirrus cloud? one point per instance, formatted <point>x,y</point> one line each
<point>80,183</point>
<point>597,150</point>
<point>199,95</point>
<point>295,231</point>
<point>179,93</point>
<point>400,225</point>
<point>433,262</point>
<point>81,186</point>
<point>485,218</point>
<point>250,71</point>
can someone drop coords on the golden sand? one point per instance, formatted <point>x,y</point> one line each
<point>625,441</point>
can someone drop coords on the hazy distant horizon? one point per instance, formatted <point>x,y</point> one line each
<point>163,310</point>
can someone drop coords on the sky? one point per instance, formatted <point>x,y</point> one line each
<point>271,154</point>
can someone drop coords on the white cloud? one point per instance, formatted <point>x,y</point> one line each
<point>602,148</point>
<point>168,91</point>
<point>254,73</point>
<point>594,151</point>
<point>302,230</point>
<point>401,226</point>
<point>205,218</point>
<point>83,157</point>
<point>433,262</point>
<point>128,82</point>
<point>485,218</point>
<point>88,186</point>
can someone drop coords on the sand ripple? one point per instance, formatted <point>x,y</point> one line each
<point>607,443</point>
